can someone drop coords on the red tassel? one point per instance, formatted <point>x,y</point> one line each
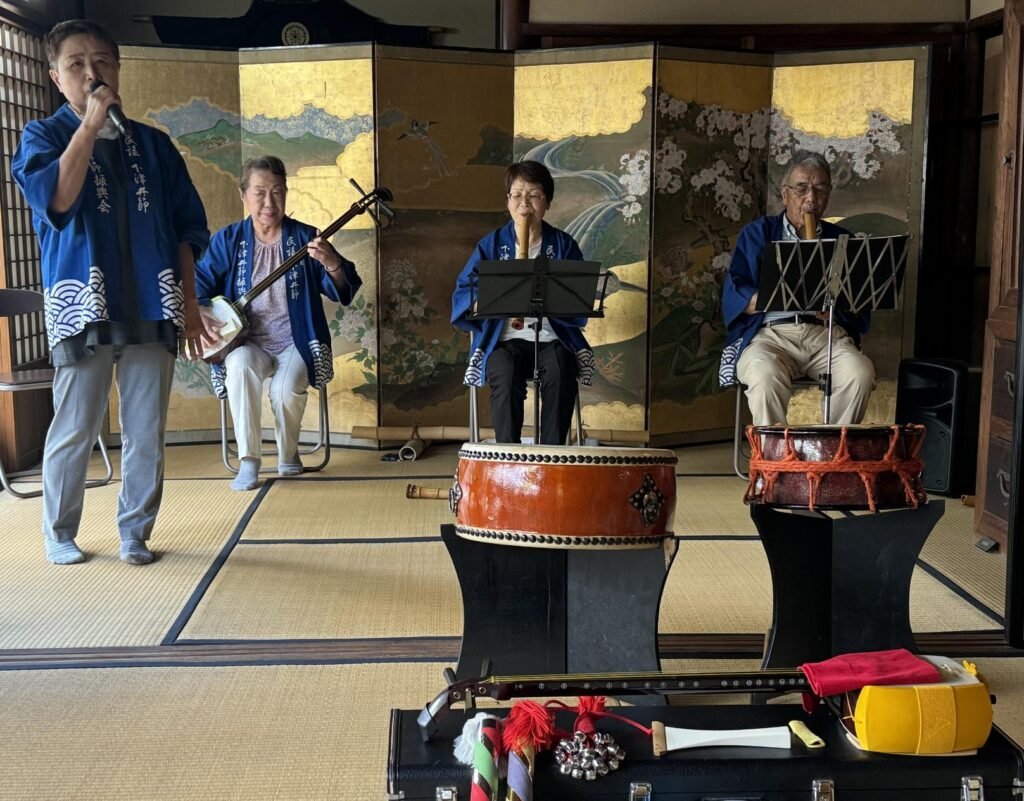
<point>528,722</point>
<point>591,707</point>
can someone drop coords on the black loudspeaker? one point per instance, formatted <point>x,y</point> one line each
<point>943,395</point>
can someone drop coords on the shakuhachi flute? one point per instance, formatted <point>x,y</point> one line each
<point>522,252</point>
<point>415,491</point>
<point>810,229</point>
<point>523,236</point>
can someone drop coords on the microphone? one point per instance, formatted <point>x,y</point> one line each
<point>113,112</point>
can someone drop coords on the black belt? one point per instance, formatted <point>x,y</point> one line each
<point>807,319</point>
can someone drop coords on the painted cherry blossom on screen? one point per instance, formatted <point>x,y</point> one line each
<point>870,172</point>
<point>709,180</point>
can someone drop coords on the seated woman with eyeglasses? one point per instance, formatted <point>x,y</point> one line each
<point>502,350</point>
<point>767,351</point>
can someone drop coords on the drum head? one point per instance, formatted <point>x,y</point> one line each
<point>565,454</point>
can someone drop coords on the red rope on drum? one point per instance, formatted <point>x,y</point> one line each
<point>769,470</point>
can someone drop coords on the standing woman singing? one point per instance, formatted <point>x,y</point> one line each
<point>119,225</point>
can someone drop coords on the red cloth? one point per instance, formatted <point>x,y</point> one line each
<point>848,672</point>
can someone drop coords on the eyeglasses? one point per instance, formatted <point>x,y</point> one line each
<point>529,197</point>
<point>800,190</point>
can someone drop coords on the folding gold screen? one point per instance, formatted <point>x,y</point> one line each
<point>660,156</point>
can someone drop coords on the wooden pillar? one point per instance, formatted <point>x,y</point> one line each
<point>999,381</point>
<point>512,15</point>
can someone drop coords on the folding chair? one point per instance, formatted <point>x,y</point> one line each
<point>14,302</point>
<point>229,453</point>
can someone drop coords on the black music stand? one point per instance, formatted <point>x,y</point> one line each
<point>538,288</point>
<point>847,274</point>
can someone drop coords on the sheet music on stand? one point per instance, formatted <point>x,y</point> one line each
<point>874,273</point>
<point>536,288</point>
<point>847,274</point>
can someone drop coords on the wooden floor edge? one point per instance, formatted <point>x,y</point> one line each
<point>751,646</point>
<point>427,649</point>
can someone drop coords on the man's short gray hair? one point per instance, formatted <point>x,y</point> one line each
<point>808,159</point>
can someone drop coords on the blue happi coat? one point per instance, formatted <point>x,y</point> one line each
<point>741,282</point>
<point>500,244</point>
<point>80,248</point>
<point>226,269</point>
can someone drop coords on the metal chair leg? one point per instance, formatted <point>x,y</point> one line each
<point>226,451</point>
<point>324,440</point>
<point>579,419</point>
<point>7,479</point>
<point>737,435</point>
<point>8,482</point>
<point>474,421</point>
<point>108,474</point>
<point>229,453</point>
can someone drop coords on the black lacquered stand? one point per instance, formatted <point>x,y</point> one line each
<point>840,584</point>
<point>545,610</point>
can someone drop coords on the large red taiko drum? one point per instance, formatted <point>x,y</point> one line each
<point>552,496</point>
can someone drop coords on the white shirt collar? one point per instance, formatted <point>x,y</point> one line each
<point>789,230</point>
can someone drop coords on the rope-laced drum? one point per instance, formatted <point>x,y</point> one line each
<point>836,467</point>
<point>547,496</point>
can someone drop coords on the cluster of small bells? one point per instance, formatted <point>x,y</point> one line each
<point>587,756</point>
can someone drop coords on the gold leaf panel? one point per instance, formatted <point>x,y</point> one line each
<point>836,99</point>
<point>555,101</point>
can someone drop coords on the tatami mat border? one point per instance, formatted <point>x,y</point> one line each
<point>308,477</point>
<point>263,652</point>
<point>956,589</point>
<point>204,583</point>
<point>327,641</point>
<point>970,644</point>
<point>343,541</point>
<point>229,662</point>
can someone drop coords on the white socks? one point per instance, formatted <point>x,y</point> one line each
<point>248,477</point>
<point>63,553</point>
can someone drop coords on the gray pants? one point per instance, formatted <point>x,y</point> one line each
<point>80,392</point>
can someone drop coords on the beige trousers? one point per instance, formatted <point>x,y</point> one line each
<point>779,355</point>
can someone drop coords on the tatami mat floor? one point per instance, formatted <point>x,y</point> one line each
<point>370,509</point>
<point>950,549</point>
<point>288,733</point>
<point>336,555</point>
<point>273,592</point>
<point>701,595</point>
<point>167,734</point>
<point>406,589</point>
<point>106,602</point>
